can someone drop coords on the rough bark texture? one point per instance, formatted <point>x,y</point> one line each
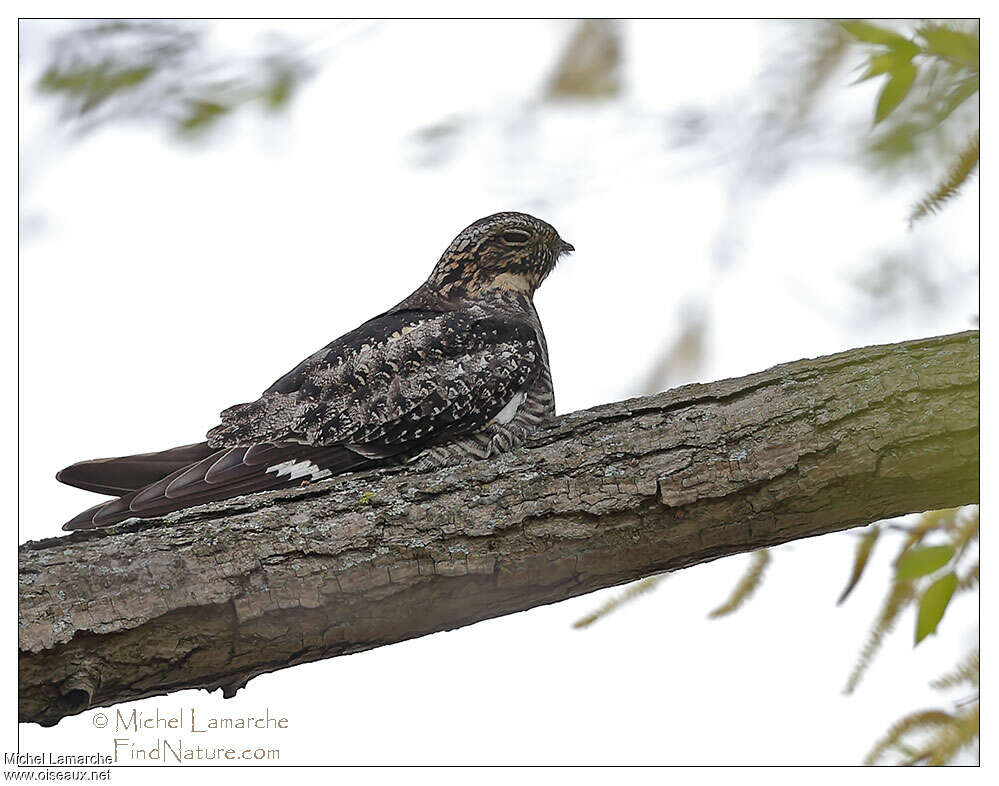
<point>213,596</point>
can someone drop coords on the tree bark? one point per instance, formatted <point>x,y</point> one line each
<point>213,596</point>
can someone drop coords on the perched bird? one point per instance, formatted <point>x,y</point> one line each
<point>458,369</point>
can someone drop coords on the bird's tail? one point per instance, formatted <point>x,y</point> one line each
<point>120,475</point>
<point>210,476</point>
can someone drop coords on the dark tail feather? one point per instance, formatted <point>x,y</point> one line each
<point>229,472</point>
<point>84,520</point>
<point>117,476</point>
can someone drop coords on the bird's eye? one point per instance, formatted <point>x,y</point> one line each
<point>516,237</point>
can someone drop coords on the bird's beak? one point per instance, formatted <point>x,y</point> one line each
<point>566,248</point>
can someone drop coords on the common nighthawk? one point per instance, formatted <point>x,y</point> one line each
<point>457,369</point>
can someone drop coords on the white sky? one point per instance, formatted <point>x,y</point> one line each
<point>167,282</point>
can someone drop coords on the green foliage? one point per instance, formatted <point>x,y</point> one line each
<point>922,561</point>
<point>635,590</point>
<point>933,603</point>
<point>862,554</point>
<point>917,721</point>
<point>279,90</point>
<point>747,585</point>
<point>88,86</point>
<point>872,34</point>
<point>955,46</point>
<point>902,59</point>
<point>935,737</point>
<point>965,673</point>
<point>900,80</point>
<point>926,576</point>
<point>960,171</point>
<point>163,71</point>
<point>900,595</point>
<point>201,114</point>
<point>946,735</point>
<point>743,590</point>
<point>589,68</point>
<point>929,77</point>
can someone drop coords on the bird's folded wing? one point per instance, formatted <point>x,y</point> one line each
<point>393,393</point>
<point>407,381</point>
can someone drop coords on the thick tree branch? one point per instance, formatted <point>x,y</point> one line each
<point>213,596</point>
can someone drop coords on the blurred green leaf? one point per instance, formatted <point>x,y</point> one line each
<point>952,45</point>
<point>895,142</point>
<point>200,115</point>
<point>872,34</point>
<point>279,91</point>
<point>922,561</point>
<point>747,585</point>
<point>102,71</point>
<point>91,85</point>
<point>589,68</point>
<point>958,95</point>
<point>895,90</point>
<point>880,64</point>
<point>959,173</point>
<point>860,558</point>
<point>933,604</point>
<point>936,520</point>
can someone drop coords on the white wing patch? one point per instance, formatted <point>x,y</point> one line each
<point>505,415</point>
<point>299,469</point>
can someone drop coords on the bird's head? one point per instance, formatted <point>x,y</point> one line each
<point>512,251</point>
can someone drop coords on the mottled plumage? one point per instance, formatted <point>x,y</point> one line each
<point>457,369</point>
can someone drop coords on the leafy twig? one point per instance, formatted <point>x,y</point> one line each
<point>961,170</point>
<point>747,585</point>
